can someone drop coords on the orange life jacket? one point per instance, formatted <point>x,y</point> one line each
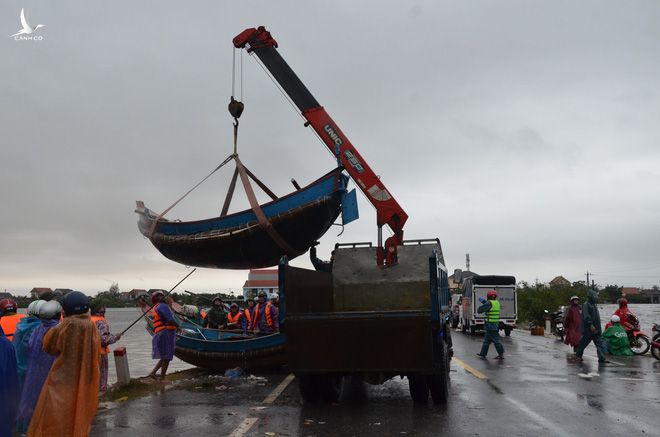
<point>249,318</point>
<point>269,317</point>
<point>159,325</point>
<point>233,319</point>
<point>104,350</point>
<point>9,322</point>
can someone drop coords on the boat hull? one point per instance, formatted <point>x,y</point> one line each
<point>238,241</point>
<point>217,350</point>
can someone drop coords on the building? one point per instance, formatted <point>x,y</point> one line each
<point>37,292</point>
<point>133,294</point>
<point>652,294</point>
<point>560,281</point>
<point>454,285</point>
<point>630,291</point>
<point>261,280</point>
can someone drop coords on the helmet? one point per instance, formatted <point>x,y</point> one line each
<point>274,296</point>
<point>491,294</point>
<point>216,298</point>
<point>96,306</point>
<point>75,302</point>
<point>615,319</point>
<point>33,308</point>
<point>234,305</point>
<point>50,310</point>
<point>7,306</point>
<point>190,310</point>
<point>262,294</point>
<point>575,298</point>
<point>623,302</point>
<point>154,298</point>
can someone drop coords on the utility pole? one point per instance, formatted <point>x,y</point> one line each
<point>587,279</point>
<point>536,281</point>
<point>467,262</point>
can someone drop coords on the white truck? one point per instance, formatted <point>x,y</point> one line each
<point>477,286</point>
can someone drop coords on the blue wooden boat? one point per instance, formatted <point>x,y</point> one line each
<point>217,349</point>
<point>240,240</point>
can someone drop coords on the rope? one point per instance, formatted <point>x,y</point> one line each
<point>155,223</point>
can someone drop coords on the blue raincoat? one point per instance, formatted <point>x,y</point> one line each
<point>39,365</point>
<point>9,393</point>
<point>21,338</point>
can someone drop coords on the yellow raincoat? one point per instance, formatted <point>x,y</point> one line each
<point>69,398</point>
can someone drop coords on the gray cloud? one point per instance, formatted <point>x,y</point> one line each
<point>522,132</point>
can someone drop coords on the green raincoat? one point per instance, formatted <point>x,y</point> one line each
<point>617,340</point>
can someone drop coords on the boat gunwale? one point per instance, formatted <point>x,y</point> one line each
<point>150,216</point>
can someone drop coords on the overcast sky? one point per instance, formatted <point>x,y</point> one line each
<point>525,133</point>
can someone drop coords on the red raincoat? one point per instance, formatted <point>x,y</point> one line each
<point>573,325</point>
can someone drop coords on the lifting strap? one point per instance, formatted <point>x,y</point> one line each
<point>264,222</point>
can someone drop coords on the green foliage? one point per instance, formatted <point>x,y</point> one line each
<point>534,300</point>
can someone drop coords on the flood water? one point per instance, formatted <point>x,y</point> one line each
<point>137,342</point>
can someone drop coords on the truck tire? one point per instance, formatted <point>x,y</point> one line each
<point>330,387</point>
<point>419,388</point>
<point>507,330</point>
<point>472,329</point>
<point>439,381</point>
<point>308,384</point>
<point>463,326</point>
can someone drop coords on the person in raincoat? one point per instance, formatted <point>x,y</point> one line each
<point>98,317</point>
<point>24,330</point>
<point>68,400</point>
<point>216,317</point>
<point>616,338</point>
<point>591,328</point>
<point>9,392</point>
<point>39,364</point>
<point>573,323</point>
<point>164,340</point>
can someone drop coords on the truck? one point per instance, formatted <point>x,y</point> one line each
<point>382,309</point>
<point>477,286</point>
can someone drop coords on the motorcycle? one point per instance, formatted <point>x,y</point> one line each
<point>639,341</point>
<point>655,343</point>
<point>557,322</point>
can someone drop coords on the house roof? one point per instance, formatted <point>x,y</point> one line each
<point>560,280</point>
<point>630,290</point>
<point>261,283</point>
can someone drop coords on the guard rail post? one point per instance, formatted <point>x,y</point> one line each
<point>121,364</point>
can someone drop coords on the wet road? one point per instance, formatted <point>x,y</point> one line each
<point>536,390</point>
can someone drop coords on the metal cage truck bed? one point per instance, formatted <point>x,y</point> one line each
<point>477,286</point>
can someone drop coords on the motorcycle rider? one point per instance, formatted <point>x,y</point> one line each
<point>617,339</point>
<point>625,315</point>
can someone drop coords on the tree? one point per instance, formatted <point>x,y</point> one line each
<point>114,289</point>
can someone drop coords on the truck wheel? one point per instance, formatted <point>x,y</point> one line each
<point>419,388</point>
<point>439,381</point>
<point>308,384</point>
<point>507,331</point>
<point>472,329</point>
<point>463,326</point>
<point>330,387</point>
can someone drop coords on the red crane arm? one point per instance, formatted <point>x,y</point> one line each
<point>388,211</point>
